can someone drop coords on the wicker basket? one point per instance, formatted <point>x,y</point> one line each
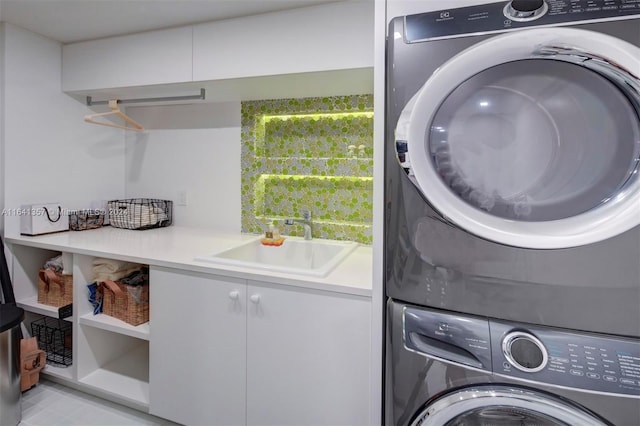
<point>54,288</point>
<point>85,219</point>
<point>127,303</point>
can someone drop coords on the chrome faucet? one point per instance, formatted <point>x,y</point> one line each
<point>306,222</point>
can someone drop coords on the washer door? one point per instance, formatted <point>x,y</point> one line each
<point>531,139</point>
<point>503,406</point>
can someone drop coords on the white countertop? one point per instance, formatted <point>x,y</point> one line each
<point>176,247</point>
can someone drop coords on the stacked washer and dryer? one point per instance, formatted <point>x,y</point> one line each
<point>512,218</point>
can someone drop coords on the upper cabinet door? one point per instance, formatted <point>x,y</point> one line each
<point>336,36</point>
<point>155,57</point>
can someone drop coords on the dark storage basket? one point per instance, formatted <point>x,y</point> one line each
<point>54,337</point>
<point>81,220</point>
<point>140,213</point>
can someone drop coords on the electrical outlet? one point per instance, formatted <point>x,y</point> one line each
<point>182,198</point>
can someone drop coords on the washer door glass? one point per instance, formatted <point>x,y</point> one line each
<point>528,144</point>
<point>501,405</point>
<point>535,140</point>
<point>504,416</point>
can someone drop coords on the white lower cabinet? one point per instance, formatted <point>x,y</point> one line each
<point>225,352</point>
<point>217,350</point>
<point>197,365</point>
<point>308,357</point>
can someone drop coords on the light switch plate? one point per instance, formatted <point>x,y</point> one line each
<point>182,198</point>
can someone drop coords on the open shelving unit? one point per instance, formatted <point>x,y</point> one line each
<point>110,357</point>
<point>114,363</point>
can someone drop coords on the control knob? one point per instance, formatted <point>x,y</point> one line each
<point>525,10</point>
<point>524,351</point>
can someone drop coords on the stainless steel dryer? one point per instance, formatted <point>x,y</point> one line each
<point>512,163</point>
<point>512,194</point>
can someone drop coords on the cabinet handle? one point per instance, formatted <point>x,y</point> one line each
<point>255,298</point>
<point>234,295</point>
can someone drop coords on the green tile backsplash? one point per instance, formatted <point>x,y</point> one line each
<point>309,154</point>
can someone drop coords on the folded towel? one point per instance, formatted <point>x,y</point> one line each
<point>114,270</point>
<point>54,264</point>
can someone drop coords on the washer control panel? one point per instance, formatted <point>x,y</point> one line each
<point>585,361</point>
<point>510,15</point>
<point>592,362</point>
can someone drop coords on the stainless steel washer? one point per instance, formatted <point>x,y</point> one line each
<point>452,369</point>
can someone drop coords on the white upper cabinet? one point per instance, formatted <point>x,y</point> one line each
<point>319,50</point>
<point>336,36</point>
<point>155,57</point>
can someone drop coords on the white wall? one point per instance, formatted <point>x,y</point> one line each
<point>193,148</point>
<point>50,153</point>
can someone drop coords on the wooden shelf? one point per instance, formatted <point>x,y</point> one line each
<point>105,322</point>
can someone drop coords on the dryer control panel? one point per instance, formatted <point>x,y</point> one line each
<point>598,363</point>
<point>512,15</point>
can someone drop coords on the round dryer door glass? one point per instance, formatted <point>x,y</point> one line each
<point>532,138</point>
<point>535,140</point>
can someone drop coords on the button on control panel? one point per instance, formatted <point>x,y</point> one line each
<point>525,10</point>
<point>586,361</point>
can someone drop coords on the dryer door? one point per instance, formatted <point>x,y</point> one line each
<point>503,405</point>
<point>531,139</point>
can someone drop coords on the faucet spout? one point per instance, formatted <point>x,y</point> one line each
<point>306,223</point>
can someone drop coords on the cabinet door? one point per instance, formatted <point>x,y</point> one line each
<point>197,341</point>
<point>319,38</point>
<point>154,57</point>
<point>308,357</point>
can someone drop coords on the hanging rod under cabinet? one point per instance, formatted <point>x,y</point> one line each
<point>201,96</point>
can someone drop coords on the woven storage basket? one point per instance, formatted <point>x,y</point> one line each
<point>54,288</point>
<point>119,302</point>
<point>85,219</point>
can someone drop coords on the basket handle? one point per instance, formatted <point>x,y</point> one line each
<point>49,215</point>
<point>116,290</point>
<point>48,276</point>
<point>113,287</point>
<point>34,360</point>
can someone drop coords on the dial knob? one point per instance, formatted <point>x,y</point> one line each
<point>524,351</point>
<point>525,10</point>
<point>527,5</point>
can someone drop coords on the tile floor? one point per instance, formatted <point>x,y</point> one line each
<point>52,404</point>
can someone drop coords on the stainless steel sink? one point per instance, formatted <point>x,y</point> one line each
<point>295,256</point>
